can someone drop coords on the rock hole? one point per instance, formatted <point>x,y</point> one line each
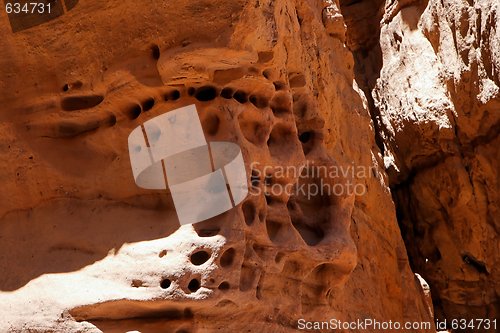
<point>155,52</point>
<point>268,180</point>
<point>165,283</point>
<point>476,264</point>
<point>72,128</point>
<point>148,104</point>
<point>310,235</point>
<point>206,93</point>
<point>253,131</point>
<point>172,95</point>
<point>260,102</point>
<point>262,251</point>
<point>65,87</point>
<point>249,212</point>
<point>268,73</point>
<point>301,105</point>
<point>224,286</point>
<point>134,111</point>
<point>279,257</point>
<point>316,285</point>
<point>194,285</point>
<point>303,207</point>
<point>255,178</point>
<point>74,103</point>
<point>305,137</point>
<point>265,56</point>
<point>253,70</point>
<point>199,258</point>
<point>273,230</point>
<point>281,103</point>
<point>111,121</point>
<point>282,142</point>
<point>241,96</point>
<point>278,85</point>
<point>175,95</point>
<point>310,140</point>
<point>435,256</point>
<point>227,93</point>
<point>297,81</point>
<point>248,276</point>
<point>224,76</point>
<point>162,253</point>
<point>269,199</point>
<point>227,257</point>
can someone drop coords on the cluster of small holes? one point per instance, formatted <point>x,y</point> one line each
<point>197,258</point>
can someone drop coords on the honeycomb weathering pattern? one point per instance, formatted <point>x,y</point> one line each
<point>127,265</point>
<point>172,148</point>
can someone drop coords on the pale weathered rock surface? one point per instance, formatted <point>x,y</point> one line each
<point>435,81</point>
<point>83,249</point>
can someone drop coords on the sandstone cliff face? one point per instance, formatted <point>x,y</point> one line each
<point>435,77</point>
<point>83,249</point>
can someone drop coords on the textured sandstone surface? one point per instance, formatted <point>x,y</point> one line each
<point>83,249</point>
<point>435,81</point>
<point>446,132</point>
